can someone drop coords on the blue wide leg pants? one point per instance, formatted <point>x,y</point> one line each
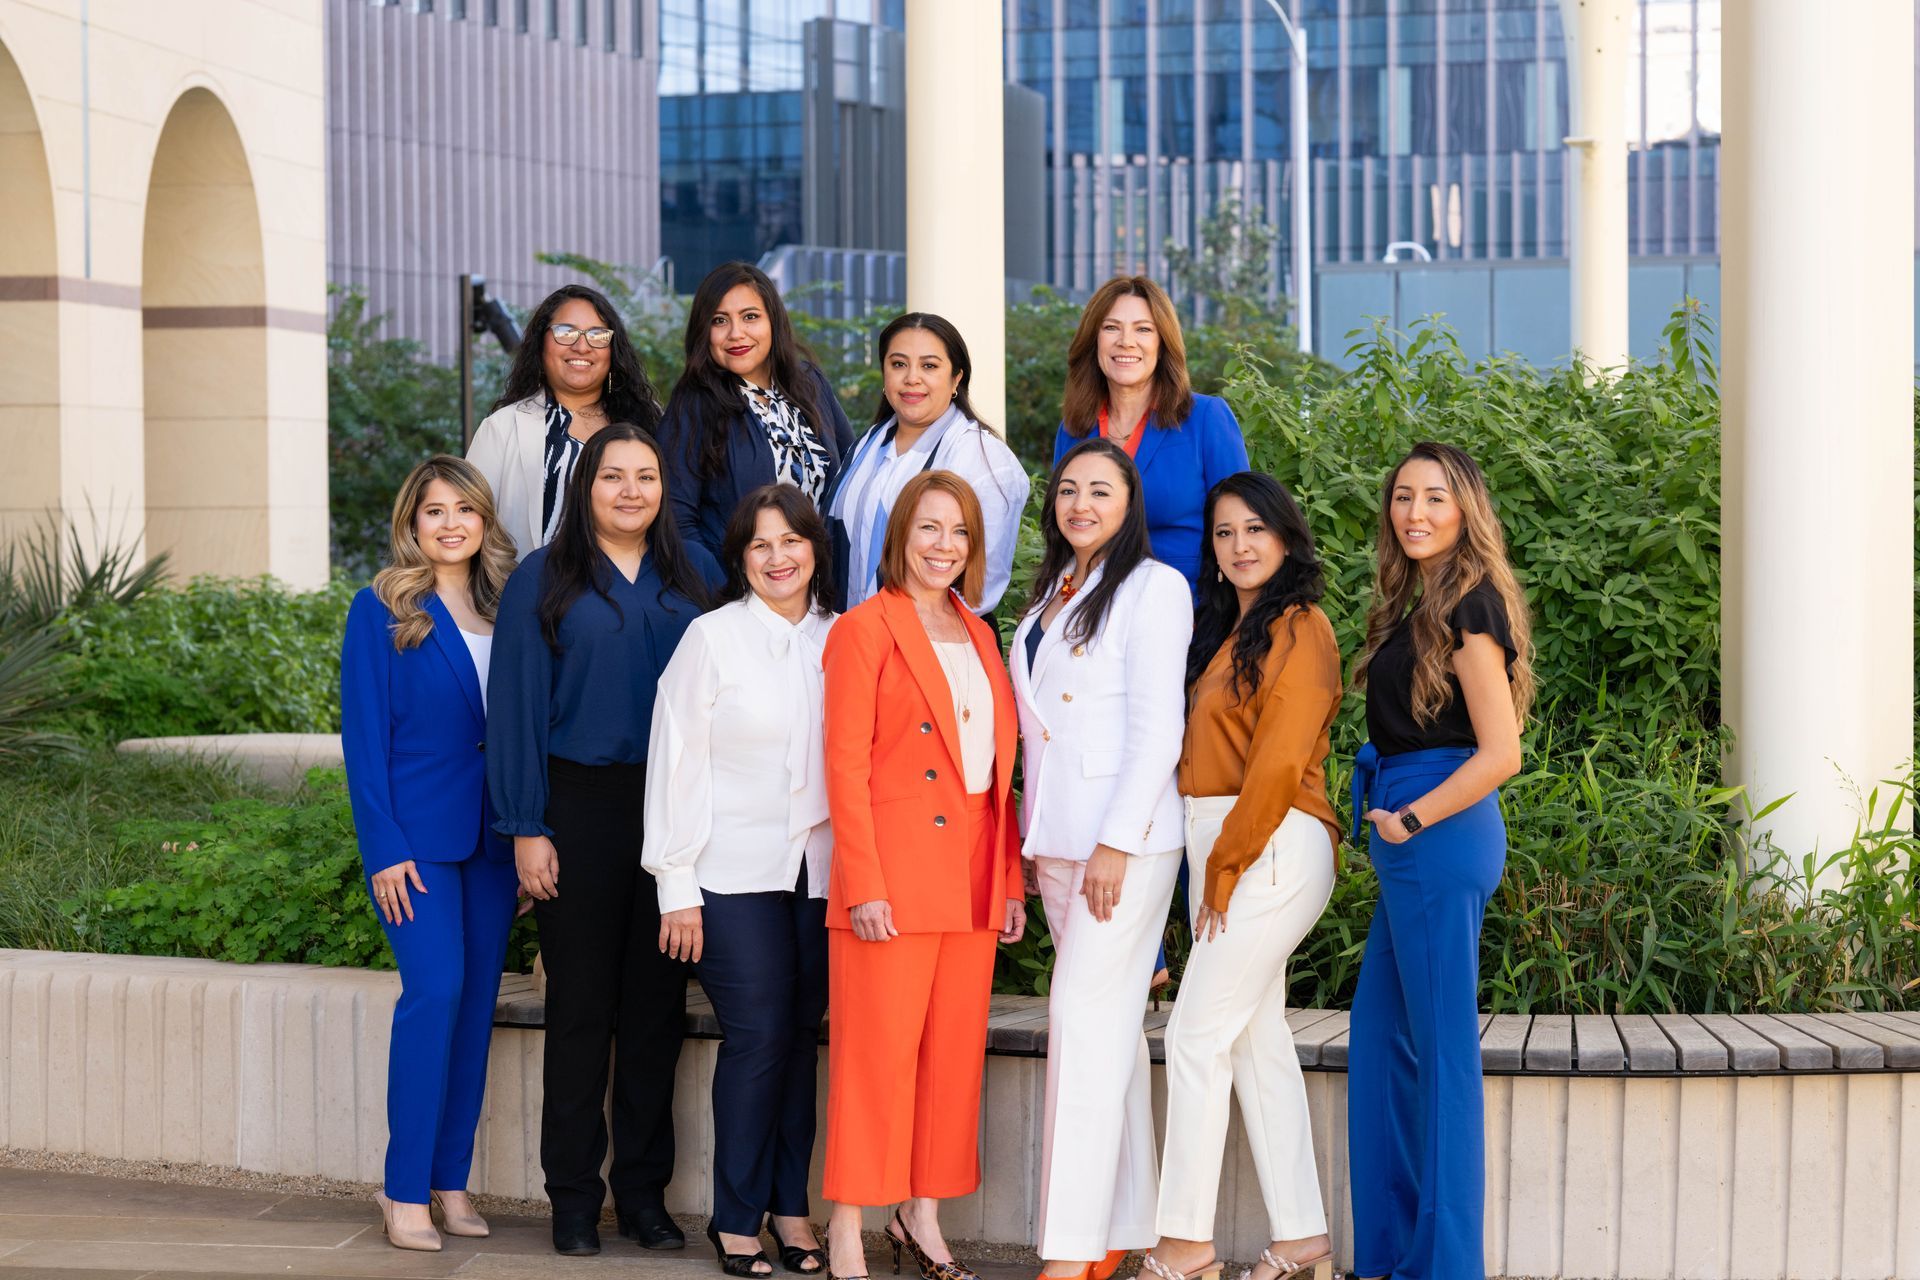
<point>450,955</point>
<point>1414,1101</point>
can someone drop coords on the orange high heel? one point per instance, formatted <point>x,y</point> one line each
<point>1084,1273</point>
<point>1104,1269</point>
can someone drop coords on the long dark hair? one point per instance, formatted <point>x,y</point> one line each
<point>1120,557</point>
<point>710,396</point>
<point>1298,582</point>
<point>797,509</point>
<point>575,564</point>
<point>627,396</point>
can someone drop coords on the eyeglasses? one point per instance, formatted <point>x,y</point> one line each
<point>566,335</point>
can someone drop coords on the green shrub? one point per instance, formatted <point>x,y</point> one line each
<point>214,656</point>
<point>256,882</point>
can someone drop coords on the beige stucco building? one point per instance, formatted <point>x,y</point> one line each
<point>163,277</point>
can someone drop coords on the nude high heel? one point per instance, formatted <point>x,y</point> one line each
<point>1319,1267</point>
<point>460,1224</point>
<point>423,1240</point>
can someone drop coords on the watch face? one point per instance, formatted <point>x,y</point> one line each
<point>1407,820</point>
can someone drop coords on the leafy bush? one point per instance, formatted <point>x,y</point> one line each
<point>214,656</point>
<point>256,882</point>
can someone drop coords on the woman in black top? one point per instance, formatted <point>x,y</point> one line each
<point>585,627</point>
<point>749,409</point>
<point>1448,679</point>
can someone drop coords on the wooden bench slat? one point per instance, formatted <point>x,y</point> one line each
<point>1850,1052</point>
<point>1911,1017</point>
<point>1899,1054</point>
<point>1550,1043</point>
<point>1647,1046</point>
<point>1306,1046</point>
<point>1697,1048</point>
<point>1746,1047</point>
<point>1333,1050</point>
<point>1899,1051</point>
<point>1503,1044</point>
<point>1596,1044</point>
<point>1798,1050</point>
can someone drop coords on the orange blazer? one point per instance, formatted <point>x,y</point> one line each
<point>894,783</point>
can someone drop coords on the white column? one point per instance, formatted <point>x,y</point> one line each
<point>1817,217</point>
<point>956,221</point>
<point>1599,36</point>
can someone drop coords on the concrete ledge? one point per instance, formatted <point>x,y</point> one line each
<point>282,1068</point>
<point>277,759</point>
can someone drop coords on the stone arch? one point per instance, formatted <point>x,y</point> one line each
<point>203,319</point>
<point>29,321</point>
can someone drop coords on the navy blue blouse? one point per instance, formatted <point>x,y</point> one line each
<point>592,701</point>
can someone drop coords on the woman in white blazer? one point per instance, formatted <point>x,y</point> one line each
<point>575,372</point>
<point>1098,674</point>
<point>738,842</point>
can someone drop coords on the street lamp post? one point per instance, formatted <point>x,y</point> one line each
<point>1302,209</point>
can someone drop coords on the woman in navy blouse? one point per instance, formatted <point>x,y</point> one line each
<point>586,625</point>
<point>413,719</point>
<point>1127,381</point>
<point>749,408</point>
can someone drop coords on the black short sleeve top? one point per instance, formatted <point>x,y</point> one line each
<point>1390,722</point>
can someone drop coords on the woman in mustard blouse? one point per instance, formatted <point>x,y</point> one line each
<point>1263,680</point>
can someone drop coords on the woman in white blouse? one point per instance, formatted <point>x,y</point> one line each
<point>924,423</point>
<point>1099,676</point>
<point>738,842</point>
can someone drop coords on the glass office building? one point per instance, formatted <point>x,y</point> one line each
<point>1440,122</point>
<point>733,154</point>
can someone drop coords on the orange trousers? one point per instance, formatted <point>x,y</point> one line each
<point>906,1049</point>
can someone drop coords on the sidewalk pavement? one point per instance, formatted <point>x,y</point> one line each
<point>70,1226</point>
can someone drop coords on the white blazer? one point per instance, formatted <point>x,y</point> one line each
<point>510,450</point>
<point>1103,721</point>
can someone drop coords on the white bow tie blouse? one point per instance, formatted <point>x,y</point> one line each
<point>736,770</point>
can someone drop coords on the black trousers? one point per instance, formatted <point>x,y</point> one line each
<point>609,991</point>
<point>764,968</point>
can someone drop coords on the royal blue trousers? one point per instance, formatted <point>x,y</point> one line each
<point>1414,1103</point>
<point>450,955</point>
<point>765,971</point>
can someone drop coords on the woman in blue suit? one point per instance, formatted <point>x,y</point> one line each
<point>1127,381</point>
<point>749,408</point>
<point>413,676</point>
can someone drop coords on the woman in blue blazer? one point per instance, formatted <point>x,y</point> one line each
<point>413,675</point>
<point>749,408</point>
<point>1127,381</point>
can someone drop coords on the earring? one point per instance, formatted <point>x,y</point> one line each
<point>1218,576</point>
<point>609,390</point>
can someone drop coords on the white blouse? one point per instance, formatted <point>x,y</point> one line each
<point>736,769</point>
<point>480,648</point>
<point>972,710</point>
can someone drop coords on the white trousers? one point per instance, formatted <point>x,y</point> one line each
<point>1098,1183</point>
<point>1229,1035</point>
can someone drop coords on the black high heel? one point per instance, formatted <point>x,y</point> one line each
<point>792,1255</point>
<point>738,1264</point>
<point>929,1269</point>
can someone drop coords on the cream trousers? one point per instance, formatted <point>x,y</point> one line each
<point>1098,1186</point>
<point>1228,1033</point>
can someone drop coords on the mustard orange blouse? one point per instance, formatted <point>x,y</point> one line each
<point>1269,750</point>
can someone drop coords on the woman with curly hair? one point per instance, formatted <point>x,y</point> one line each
<point>413,679</point>
<point>1448,674</point>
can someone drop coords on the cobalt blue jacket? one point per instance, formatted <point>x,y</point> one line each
<point>414,737</point>
<point>1178,464</point>
<point>702,506</point>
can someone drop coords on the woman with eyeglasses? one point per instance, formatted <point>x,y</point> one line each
<point>575,372</point>
<point>749,409</point>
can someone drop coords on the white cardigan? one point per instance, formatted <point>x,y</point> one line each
<point>1103,722</point>
<point>736,767</point>
<point>510,450</point>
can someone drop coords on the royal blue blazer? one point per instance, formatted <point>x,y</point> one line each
<point>1178,464</point>
<point>414,734</point>
<point>702,506</point>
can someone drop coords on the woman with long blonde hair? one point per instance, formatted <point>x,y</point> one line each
<point>413,679</point>
<point>1448,672</point>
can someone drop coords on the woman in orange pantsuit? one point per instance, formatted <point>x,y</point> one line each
<point>926,878</point>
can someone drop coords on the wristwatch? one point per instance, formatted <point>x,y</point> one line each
<point>1408,820</point>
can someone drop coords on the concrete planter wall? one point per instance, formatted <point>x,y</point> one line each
<point>282,1068</point>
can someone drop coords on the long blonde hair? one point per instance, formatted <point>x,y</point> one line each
<point>1480,555</point>
<point>404,585</point>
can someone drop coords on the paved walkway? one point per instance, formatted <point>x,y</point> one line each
<point>69,1226</point>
